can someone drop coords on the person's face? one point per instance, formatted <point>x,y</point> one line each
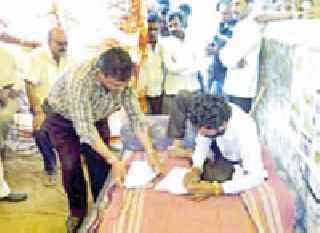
<point>111,83</point>
<point>152,32</point>
<point>213,133</point>
<point>175,24</point>
<point>239,6</point>
<point>58,43</point>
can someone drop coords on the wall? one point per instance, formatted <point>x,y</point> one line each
<point>289,114</point>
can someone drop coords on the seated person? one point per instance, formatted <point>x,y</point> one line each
<point>231,135</point>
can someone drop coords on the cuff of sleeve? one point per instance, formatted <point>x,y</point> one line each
<point>228,189</point>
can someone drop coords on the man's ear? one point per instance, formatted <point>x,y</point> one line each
<point>100,74</point>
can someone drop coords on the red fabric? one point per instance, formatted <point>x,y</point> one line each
<point>164,212</point>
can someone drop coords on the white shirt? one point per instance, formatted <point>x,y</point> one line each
<point>238,144</point>
<point>245,43</point>
<point>180,62</point>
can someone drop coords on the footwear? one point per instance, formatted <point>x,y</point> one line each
<point>50,180</point>
<point>15,197</point>
<point>73,224</point>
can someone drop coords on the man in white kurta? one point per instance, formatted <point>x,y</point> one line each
<point>241,56</point>
<point>179,61</point>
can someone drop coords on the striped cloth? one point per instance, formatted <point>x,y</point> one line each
<point>264,209</point>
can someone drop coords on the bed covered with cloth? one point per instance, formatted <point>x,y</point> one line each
<point>266,208</point>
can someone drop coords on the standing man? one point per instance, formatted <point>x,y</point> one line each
<point>150,81</point>
<point>217,71</point>
<point>46,64</point>
<point>179,62</point>
<point>81,102</point>
<point>8,102</point>
<point>8,106</point>
<point>240,56</point>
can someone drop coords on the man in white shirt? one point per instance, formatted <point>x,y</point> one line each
<point>179,61</point>
<point>225,131</point>
<point>240,56</point>
<point>45,65</point>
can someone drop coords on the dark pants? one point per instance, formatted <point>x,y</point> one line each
<point>167,103</point>
<point>44,144</point>
<point>154,104</point>
<point>244,103</point>
<point>178,114</point>
<point>67,143</point>
<point>217,168</point>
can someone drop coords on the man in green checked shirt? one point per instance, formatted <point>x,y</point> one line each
<point>81,101</point>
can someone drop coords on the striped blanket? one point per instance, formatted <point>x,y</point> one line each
<point>264,209</point>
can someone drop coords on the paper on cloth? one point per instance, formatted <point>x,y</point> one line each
<point>173,182</point>
<point>140,174</point>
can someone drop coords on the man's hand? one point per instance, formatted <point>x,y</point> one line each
<point>212,49</point>
<point>118,172</point>
<point>155,162</point>
<point>38,120</point>
<point>30,44</point>
<point>191,178</point>
<point>242,63</point>
<point>13,94</point>
<point>176,151</point>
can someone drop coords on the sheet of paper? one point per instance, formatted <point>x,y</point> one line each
<point>139,175</point>
<point>173,182</point>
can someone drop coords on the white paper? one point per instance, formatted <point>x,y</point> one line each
<point>173,182</point>
<point>139,175</point>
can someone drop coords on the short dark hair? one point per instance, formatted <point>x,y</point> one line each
<point>209,111</point>
<point>174,15</point>
<point>152,17</point>
<point>117,62</point>
<point>185,8</point>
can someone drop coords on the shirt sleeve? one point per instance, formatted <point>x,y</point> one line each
<point>201,150</point>
<point>254,172</point>
<point>33,70</point>
<point>80,109</point>
<point>131,105</point>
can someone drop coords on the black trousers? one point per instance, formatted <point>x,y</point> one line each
<point>64,138</point>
